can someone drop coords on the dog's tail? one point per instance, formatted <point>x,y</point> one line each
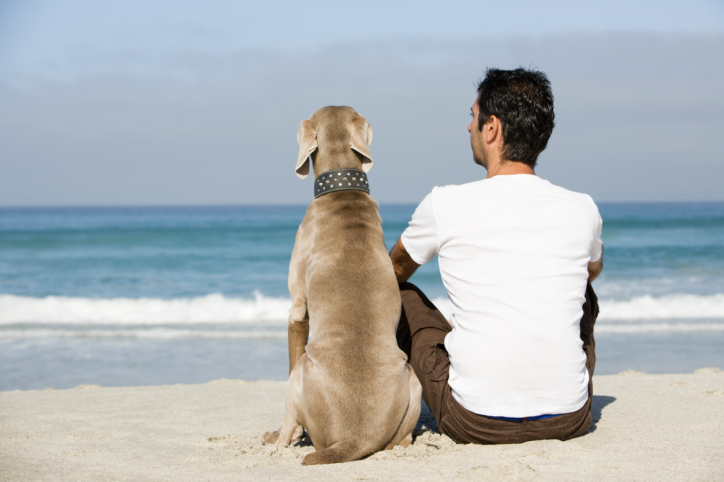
<point>335,454</point>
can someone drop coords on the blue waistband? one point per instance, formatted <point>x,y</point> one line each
<point>538,417</point>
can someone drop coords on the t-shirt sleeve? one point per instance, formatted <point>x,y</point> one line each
<point>420,237</point>
<point>597,245</point>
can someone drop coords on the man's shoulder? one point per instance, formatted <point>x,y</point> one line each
<point>568,194</point>
<point>527,184</point>
<point>506,187</point>
<point>451,191</point>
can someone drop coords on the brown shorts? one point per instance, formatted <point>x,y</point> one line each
<point>421,335</point>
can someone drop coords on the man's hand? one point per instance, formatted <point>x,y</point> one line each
<point>595,268</point>
<point>402,263</point>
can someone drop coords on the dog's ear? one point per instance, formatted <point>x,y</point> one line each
<point>361,139</point>
<point>307,139</point>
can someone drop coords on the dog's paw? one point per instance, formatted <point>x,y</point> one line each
<point>270,437</point>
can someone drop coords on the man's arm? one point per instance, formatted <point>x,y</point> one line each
<point>402,263</point>
<point>595,268</point>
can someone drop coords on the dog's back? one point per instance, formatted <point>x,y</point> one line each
<point>349,273</point>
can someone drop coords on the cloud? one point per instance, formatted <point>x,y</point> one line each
<point>637,117</point>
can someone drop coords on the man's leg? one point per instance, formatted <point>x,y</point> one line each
<point>421,335</point>
<point>590,314</point>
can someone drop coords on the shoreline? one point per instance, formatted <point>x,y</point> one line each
<point>31,364</point>
<point>83,386</point>
<point>645,426</point>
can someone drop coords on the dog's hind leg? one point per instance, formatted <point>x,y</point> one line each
<point>403,436</point>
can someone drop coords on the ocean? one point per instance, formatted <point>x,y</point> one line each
<point>163,295</point>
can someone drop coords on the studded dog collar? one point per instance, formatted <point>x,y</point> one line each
<point>341,180</point>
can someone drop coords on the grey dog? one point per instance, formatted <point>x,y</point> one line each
<point>351,387</point>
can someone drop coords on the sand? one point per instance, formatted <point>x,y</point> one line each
<point>648,427</point>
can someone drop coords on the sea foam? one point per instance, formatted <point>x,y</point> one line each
<point>213,308</point>
<point>675,306</point>
<point>186,317</point>
<point>641,308</point>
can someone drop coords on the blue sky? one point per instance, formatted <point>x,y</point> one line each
<point>192,102</point>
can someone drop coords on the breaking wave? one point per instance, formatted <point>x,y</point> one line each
<point>214,308</point>
<point>676,306</point>
<point>216,316</point>
<point>154,333</point>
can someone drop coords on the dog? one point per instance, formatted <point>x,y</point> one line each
<point>350,387</point>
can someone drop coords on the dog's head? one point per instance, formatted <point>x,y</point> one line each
<point>335,138</point>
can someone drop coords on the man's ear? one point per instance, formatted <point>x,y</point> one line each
<point>307,139</point>
<point>361,139</point>
<point>492,129</point>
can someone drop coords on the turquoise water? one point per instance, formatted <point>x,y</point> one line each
<point>135,296</point>
<point>158,252</point>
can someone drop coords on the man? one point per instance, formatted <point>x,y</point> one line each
<point>516,255</point>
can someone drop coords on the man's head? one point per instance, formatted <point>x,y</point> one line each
<point>517,107</point>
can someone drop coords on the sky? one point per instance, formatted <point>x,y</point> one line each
<point>185,103</point>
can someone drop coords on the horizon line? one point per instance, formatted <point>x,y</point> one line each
<point>261,205</point>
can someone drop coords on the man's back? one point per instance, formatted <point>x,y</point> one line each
<point>513,254</point>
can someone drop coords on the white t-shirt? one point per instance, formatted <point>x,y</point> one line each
<point>513,254</point>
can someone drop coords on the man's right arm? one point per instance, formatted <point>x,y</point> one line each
<point>402,263</point>
<point>595,268</point>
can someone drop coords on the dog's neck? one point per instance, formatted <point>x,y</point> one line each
<point>341,180</point>
<point>335,157</point>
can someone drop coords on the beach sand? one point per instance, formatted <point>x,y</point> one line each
<point>648,427</point>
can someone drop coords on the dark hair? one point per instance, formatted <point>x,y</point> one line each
<point>523,102</point>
